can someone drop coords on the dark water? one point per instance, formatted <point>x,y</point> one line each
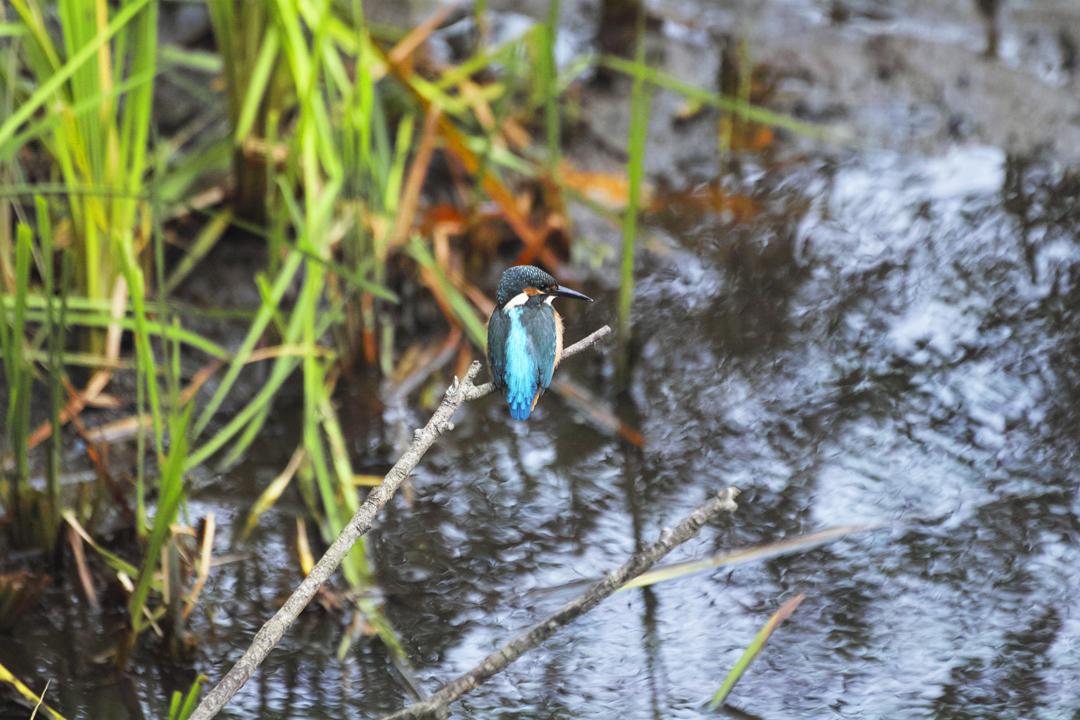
<point>892,338</point>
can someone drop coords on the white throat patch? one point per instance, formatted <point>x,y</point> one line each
<point>516,301</point>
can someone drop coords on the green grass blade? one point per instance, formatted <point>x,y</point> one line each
<point>172,494</point>
<point>28,694</point>
<point>273,491</point>
<point>184,174</point>
<point>266,313</point>
<point>754,649</point>
<point>282,368</point>
<point>182,710</point>
<point>143,348</point>
<point>50,121</point>
<point>12,30</point>
<point>757,114</point>
<point>152,327</point>
<point>40,304</point>
<point>354,277</point>
<point>66,189</point>
<point>323,324</point>
<point>753,554</point>
<point>55,327</point>
<point>194,59</point>
<point>762,552</point>
<point>259,83</point>
<point>19,375</point>
<point>304,326</point>
<point>115,562</point>
<point>50,86</point>
<point>463,309</point>
<point>550,85</point>
<point>203,244</point>
<point>640,101</point>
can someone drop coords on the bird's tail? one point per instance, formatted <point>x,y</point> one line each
<point>520,411</point>
<point>520,407</point>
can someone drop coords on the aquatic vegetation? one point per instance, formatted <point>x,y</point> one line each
<point>754,649</point>
<point>640,100</point>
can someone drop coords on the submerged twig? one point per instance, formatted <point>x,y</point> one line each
<point>437,706</point>
<point>274,629</point>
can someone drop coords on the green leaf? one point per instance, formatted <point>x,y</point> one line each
<point>194,59</point>
<point>172,494</point>
<point>757,114</point>
<point>754,649</point>
<point>50,86</point>
<point>463,309</point>
<point>182,708</point>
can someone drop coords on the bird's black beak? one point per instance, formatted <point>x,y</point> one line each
<point>565,292</point>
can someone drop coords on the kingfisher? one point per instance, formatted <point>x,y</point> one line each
<point>525,336</point>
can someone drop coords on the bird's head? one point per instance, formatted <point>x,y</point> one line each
<point>524,283</point>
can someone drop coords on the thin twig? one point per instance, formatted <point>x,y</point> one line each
<point>274,629</point>
<point>40,700</point>
<point>438,705</point>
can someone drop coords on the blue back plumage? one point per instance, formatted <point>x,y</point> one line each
<point>521,374</point>
<point>521,352</point>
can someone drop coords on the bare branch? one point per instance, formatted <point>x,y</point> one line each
<point>437,706</point>
<point>271,633</point>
